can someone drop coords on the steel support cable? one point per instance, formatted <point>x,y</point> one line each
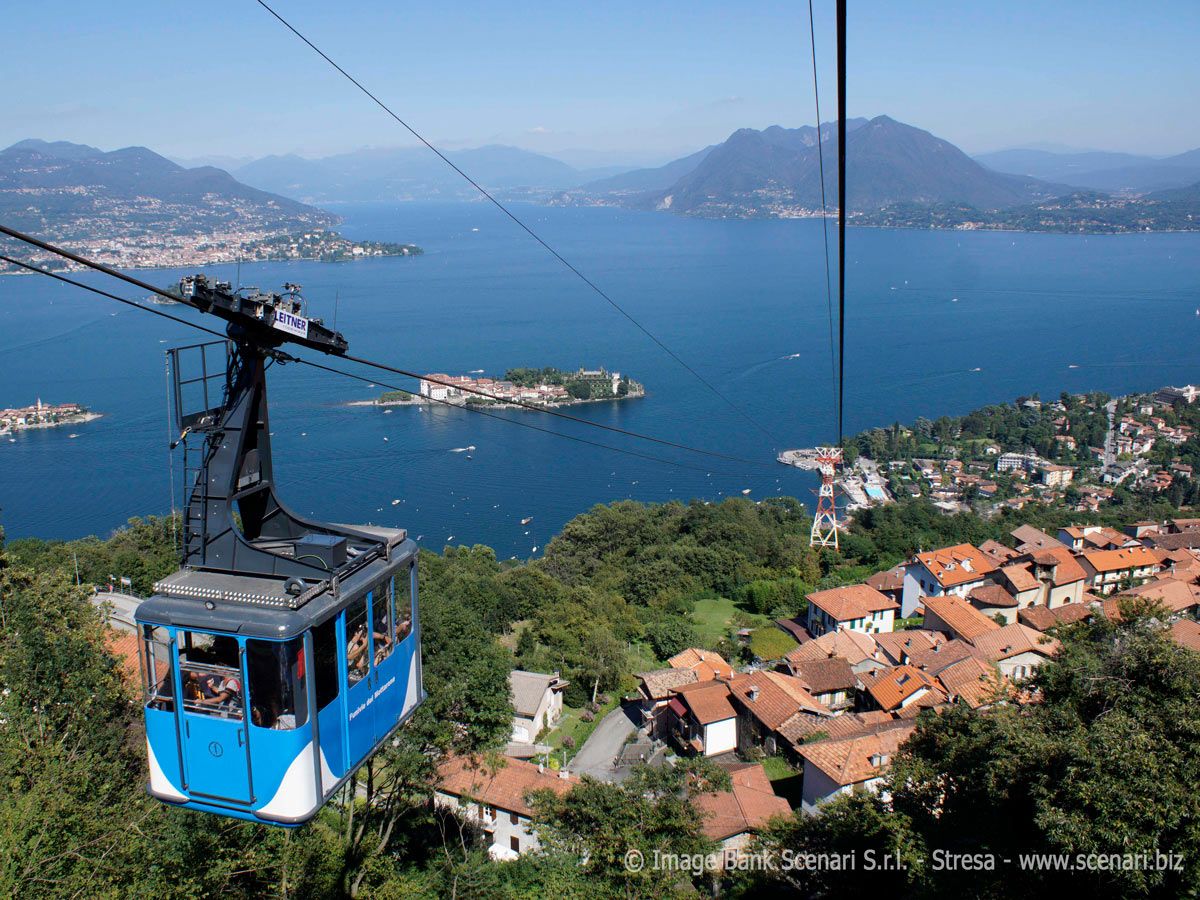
<point>812,34</point>
<point>107,270</point>
<point>529,231</point>
<point>331,369</point>
<point>841,66</point>
<point>553,412</point>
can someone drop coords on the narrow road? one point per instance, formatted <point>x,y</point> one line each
<point>1110,439</point>
<point>602,747</point>
<point>122,608</point>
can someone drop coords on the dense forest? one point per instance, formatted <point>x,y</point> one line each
<point>1107,759</point>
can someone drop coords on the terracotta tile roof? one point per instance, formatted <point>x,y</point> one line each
<point>1069,570</point>
<point>1019,576</point>
<point>658,684</point>
<point>823,676</point>
<point>796,628</point>
<point>897,687</point>
<point>746,807</point>
<point>957,565</point>
<point>942,655</point>
<point>708,665</point>
<point>856,759</point>
<point>124,646</point>
<point>1183,540</point>
<point>1175,595</point>
<point>896,646</point>
<point>971,680</point>
<point>1042,618</point>
<point>1186,633</point>
<point>777,697</point>
<point>708,701</point>
<point>853,646</point>
<point>890,580</point>
<point>1030,538</point>
<point>1012,640</point>
<point>504,788</point>
<point>959,615</point>
<point>852,601</point>
<point>991,596</point>
<point>802,727</point>
<point>997,551</point>
<point>1118,560</point>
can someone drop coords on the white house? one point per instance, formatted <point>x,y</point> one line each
<point>703,720</point>
<point>838,766</point>
<point>495,800</point>
<point>854,607</point>
<point>1108,569</point>
<point>953,570</point>
<point>537,702</point>
<point>1016,649</point>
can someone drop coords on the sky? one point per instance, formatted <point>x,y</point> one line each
<point>614,83</point>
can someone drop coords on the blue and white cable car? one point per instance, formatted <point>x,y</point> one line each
<point>284,652</point>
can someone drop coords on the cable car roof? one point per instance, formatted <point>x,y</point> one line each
<point>257,606</point>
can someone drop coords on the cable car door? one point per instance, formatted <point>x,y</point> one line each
<point>360,716</point>
<point>215,748</point>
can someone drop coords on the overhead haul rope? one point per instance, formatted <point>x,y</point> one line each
<point>841,65</point>
<point>315,365</point>
<point>107,270</point>
<point>504,209</point>
<point>812,33</point>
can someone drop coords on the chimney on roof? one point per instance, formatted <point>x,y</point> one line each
<point>564,773</point>
<point>752,693</point>
<point>540,768</point>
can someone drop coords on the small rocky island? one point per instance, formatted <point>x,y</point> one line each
<point>548,386</point>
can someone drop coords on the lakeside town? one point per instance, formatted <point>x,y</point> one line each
<point>175,250</point>
<point>1077,452</point>
<point>547,387</point>
<point>954,625</point>
<point>44,415</point>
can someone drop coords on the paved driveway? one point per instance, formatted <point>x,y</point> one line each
<point>122,608</point>
<point>599,751</point>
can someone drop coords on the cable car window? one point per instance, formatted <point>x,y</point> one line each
<point>357,645</point>
<point>278,692</point>
<point>381,621</point>
<point>403,602</point>
<point>325,665</point>
<point>156,668</point>
<point>210,671</point>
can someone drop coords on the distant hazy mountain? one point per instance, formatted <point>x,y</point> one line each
<point>408,173</point>
<point>1099,170</point>
<point>776,172</point>
<point>1060,166</point>
<point>657,179</point>
<point>76,190</point>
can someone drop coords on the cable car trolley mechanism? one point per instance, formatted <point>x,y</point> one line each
<point>284,651</point>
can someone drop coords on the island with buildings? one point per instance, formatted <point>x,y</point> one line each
<point>44,415</point>
<point>548,387</point>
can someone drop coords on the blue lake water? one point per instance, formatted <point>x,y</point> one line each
<point>937,323</point>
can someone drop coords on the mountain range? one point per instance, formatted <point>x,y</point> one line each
<point>777,171</point>
<point>72,190</point>
<point>1114,172</point>
<point>411,173</point>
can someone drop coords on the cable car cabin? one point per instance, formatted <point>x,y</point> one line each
<point>284,651</point>
<point>261,704</point>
